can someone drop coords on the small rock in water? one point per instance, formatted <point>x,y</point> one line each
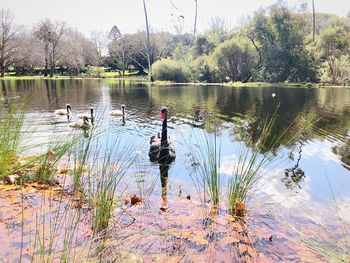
<point>188,197</point>
<point>270,238</point>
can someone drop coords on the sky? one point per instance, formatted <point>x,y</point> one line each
<point>128,16</point>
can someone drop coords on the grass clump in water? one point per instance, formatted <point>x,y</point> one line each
<point>107,174</point>
<point>206,156</point>
<point>11,122</point>
<point>248,169</point>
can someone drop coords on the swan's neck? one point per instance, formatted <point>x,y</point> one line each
<point>164,139</point>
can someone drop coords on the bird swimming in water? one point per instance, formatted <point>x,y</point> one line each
<point>89,115</point>
<point>81,124</point>
<point>161,149</point>
<point>66,111</point>
<point>120,112</point>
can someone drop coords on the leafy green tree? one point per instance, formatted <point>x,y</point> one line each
<point>236,59</point>
<point>334,47</point>
<point>202,46</point>
<point>279,36</point>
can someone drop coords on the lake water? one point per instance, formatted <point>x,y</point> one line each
<point>322,114</point>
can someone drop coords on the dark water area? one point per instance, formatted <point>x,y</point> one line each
<point>314,123</point>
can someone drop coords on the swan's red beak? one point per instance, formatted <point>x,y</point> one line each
<point>163,116</point>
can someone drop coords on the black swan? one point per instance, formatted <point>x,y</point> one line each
<point>161,148</point>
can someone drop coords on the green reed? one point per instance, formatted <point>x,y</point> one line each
<point>47,163</point>
<point>107,174</point>
<point>11,122</point>
<point>249,166</point>
<point>206,155</point>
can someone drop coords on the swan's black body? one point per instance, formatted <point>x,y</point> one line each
<point>161,149</point>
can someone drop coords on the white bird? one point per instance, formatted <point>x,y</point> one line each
<point>118,112</point>
<point>90,115</point>
<point>81,124</point>
<point>273,95</point>
<point>66,111</point>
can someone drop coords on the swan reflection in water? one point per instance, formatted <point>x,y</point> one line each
<point>164,183</point>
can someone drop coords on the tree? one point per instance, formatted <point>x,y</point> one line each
<point>236,59</point>
<point>72,51</point>
<point>334,47</point>
<point>51,34</point>
<point>99,40</point>
<point>313,20</point>
<point>28,54</point>
<point>202,46</point>
<point>195,18</point>
<point>8,43</point>
<point>120,49</point>
<point>279,37</point>
<point>148,42</point>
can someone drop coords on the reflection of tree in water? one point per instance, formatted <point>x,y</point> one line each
<point>344,152</point>
<point>295,175</point>
<point>4,92</point>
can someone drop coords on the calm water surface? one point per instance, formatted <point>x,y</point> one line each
<point>238,112</point>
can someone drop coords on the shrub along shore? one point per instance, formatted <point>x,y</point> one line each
<point>144,80</point>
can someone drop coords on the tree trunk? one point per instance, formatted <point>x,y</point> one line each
<point>195,19</point>
<point>148,43</point>
<point>313,20</point>
<point>46,58</point>
<point>52,67</point>
<point>2,66</point>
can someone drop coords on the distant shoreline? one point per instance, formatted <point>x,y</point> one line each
<point>143,80</point>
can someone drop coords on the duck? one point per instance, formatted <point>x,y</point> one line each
<point>161,149</point>
<point>90,115</point>
<point>66,111</point>
<point>118,112</point>
<point>81,124</point>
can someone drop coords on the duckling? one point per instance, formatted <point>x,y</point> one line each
<point>66,111</point>
<point>90,115</point>
<point>81,124</point>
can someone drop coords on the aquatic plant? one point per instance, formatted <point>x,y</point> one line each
<point>56,230</point>
<point>206,155</point>
<point>117,159</point>
<point>47,162</point>
<point>81,152</point>
<point>248,169</point>
<point>11,122</point>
